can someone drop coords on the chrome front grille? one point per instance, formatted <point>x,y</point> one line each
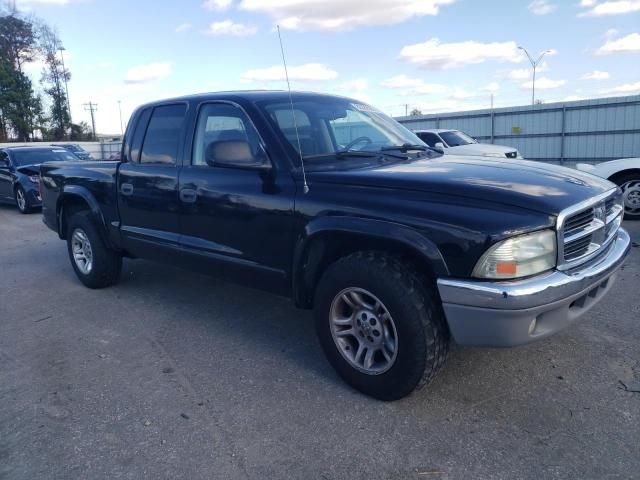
<point>584,230</point>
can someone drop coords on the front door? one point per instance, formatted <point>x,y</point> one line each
<point>237,208</point>
<point>148,183</point>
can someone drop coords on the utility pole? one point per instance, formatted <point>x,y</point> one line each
<point>64,75</point>
<point>406,109</point>
<point>534,64</point>
<point>92,107</point>
<point>120,110</point>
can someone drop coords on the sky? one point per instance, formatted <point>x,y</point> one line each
<point>434,55</point>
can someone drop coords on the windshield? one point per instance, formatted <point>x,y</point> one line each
<point>455,138</point>
<point>330,126</point>
<point>21,158</point>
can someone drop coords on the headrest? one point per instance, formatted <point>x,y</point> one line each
<point>229,151</point>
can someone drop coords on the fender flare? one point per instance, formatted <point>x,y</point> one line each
<point>78,191</point>
<point>399,234</point>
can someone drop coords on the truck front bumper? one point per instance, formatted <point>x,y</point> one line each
<point>506,314</point>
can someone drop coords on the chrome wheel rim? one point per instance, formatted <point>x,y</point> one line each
<point>81,249</point>
<point>363,330</point>
<point>631,196</point>
<point>20,199</point>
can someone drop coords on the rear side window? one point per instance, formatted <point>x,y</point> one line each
<point>163,135</point>
<point>138,135</point>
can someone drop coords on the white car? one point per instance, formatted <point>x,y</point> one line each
<point>455,142</point>
<point>624,172</point>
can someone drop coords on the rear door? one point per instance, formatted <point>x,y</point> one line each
<point>148,182</point>
<point>6,177</point>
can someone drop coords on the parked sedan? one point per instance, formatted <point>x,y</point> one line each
<point>76,149</point>
<point>20,174</point>
<point>455,142</point>
<point>625,173</point>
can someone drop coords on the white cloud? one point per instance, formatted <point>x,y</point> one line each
<point>436,55</point>
<point>413,86</point>
<point>493,87</point>
<point>460,94</point>
<point>217,4</point>
<point>615,7</point>
<point>302,73</point>
<point>595,75</point>
<point>341,14</point>
<point>519,74</point>
<point>612,32</point>
<point>628,44</point>
<point>228,27</point>
<point>356,88</point>
<point>183,27</point>
<point>544,83</point>
<point>28,3</point>
<point>626,89</point>
<point>541,7</point>
<point>148,73</point>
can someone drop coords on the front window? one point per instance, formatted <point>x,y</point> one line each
<point>21,158</point>
<point>455,138</point>
<point>330,126</point>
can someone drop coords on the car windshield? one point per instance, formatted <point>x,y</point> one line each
<point>454,138</point>
<point>332,128</point>
<point>36,157</point>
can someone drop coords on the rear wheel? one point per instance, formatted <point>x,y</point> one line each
<point>630,185</point>
<point>95,265</point>
<point>379,324</point>
<point>22,201</point>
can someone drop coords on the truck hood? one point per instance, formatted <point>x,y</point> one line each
<point>479,149</point>
<point>530,185</point>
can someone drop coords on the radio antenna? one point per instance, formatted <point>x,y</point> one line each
<point>293,115</point>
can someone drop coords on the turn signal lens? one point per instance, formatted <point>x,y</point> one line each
<point>519,257</point>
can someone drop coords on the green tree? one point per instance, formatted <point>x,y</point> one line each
<point>19,106</point>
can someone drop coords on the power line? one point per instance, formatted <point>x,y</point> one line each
<point>92,107</point>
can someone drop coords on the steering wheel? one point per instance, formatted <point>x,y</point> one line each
<point>358,140</point>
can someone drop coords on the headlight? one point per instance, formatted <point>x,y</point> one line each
<point>34,178</point>
<point>520,256</point>
<point>494,155</point>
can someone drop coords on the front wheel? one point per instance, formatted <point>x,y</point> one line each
<point>22,201</point>
<point>95,265</point>
<point>630,185</point>
<point>380,326</point>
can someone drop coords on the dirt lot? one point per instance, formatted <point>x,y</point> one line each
<point>176,375</point>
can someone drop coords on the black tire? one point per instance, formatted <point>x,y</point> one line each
<point>620,180</point>
<point>106,264</point>
<point>422,333</point>
<point>23,206</point>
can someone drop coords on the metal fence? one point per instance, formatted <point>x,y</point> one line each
<point>98,150</point>
<point>586,131</point>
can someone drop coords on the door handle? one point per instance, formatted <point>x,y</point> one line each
<point>126,189</point>
<point>187,195</point>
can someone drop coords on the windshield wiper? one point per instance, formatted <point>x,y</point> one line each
<point>343,154</point>
<point>405,147</point>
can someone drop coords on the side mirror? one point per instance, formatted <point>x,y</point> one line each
<point>235,153</point>
<point>439,146</point>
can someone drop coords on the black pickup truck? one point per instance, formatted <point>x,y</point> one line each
<point>327,201</point>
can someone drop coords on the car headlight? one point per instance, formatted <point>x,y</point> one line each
<point>519,256</point>
<point>493,155</point>
<point>34,178</point>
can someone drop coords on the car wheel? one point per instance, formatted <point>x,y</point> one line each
<point>21,200</point>
<point>380,324</point>
<point>630,185</point>
<point>95,265</point>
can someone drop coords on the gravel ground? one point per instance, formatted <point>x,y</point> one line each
<point>172,375</point>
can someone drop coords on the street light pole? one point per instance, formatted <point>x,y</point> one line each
<point>66,87</point>
<point>534,64</point>
<point>120,110</point>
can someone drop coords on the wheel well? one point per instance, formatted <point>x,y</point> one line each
<point>623,173</point>
<point>326,248</point>
<point>70,204</point>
